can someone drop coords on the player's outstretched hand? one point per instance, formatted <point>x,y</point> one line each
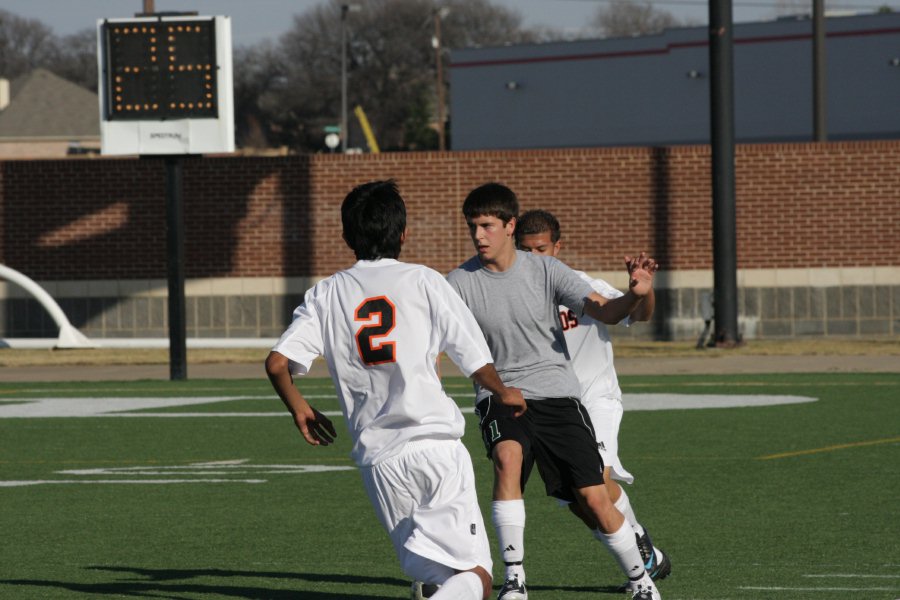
<point>640,273</point>
<point>513,397</point>
<point>316,428</point>
<point>641,262</point>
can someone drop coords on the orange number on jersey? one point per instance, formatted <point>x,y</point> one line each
<point>568,319</point>
<point>372,349</point>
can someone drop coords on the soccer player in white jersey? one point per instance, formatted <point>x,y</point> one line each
<point>591,353</point>
<point>515,296</point>
<point>381,325</point>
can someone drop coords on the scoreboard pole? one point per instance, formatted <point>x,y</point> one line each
<point>165,87</point>
<point>175,260</point>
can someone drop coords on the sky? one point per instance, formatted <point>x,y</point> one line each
<point>256,20</point>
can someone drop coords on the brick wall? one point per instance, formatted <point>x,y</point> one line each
<point>833,204</point>
<point>808,206</point>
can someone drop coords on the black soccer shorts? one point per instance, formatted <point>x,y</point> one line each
<point>556,433</point>
<point>498,425</point>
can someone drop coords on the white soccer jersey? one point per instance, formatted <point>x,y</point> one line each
<point>380,326</point>
<point>590,348</point>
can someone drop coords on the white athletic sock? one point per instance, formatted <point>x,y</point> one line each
<point>461,586</point>
<point>624,506</point>
<point>623,546</point>
<point>509,522</point>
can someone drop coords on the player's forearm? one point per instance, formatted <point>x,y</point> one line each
<point>615,310</point>
<point>644,310</point>
<point>278,370</point>
<point>488,378</point>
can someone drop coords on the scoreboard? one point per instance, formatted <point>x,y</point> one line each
<point>165,85</point>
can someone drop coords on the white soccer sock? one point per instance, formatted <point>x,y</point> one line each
<point>461,586</point>
<point>624,506</point>
<point>509,522</point>
<point>623,546</point>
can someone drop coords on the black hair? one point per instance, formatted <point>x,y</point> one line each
<point>374,219</point>
<point>491,200</point>
<point>537,221</point>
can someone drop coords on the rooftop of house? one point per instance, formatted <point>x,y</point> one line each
<point>43,105</point>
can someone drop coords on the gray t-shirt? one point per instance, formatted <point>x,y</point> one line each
<point>518,312</point>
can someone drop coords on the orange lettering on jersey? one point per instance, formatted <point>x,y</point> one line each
<point>568,319</point>
<point>373,350</point>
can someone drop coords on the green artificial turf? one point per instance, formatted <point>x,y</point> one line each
<point>782,502</point>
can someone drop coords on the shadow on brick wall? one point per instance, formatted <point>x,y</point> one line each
<point>78,220</point>
<point>661,233</point>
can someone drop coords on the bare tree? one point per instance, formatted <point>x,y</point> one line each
<point>25,44</point>
<point>391,67</point>
<point>480,23</point>
<point>257,82</point>
<point>75,58</point>
<point>624,18</point>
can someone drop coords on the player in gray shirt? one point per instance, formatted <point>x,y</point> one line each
<point>521,321</point>
<point>515,297</point>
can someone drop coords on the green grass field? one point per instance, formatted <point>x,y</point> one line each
<point>223,499</point>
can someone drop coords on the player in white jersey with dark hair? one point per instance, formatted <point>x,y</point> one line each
<point>591,353</point>
<point>381,325</point>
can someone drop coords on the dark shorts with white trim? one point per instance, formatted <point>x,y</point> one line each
<point>555,433</point>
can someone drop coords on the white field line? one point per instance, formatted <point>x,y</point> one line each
<point>121,406</point>
<point>203,471</point>
<point>860,576</point>
<point>162,415</point>
<point>122,481</point>
<point>208,469</point>
<point>852,576</point>
<point>85,392</point>
<point>817,589</point>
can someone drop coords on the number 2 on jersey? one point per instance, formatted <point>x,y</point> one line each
<point>369,338</point>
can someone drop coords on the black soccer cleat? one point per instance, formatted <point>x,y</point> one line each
<point>662,568</point>
<point>657,569</point>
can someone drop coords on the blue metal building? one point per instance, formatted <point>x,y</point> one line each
<point>654,90</point>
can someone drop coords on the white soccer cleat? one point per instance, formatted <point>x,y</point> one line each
<point>644,591</point>
<point>512,590</point>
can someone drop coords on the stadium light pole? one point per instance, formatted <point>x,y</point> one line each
<point>721,69</point>
<point>345,8</point>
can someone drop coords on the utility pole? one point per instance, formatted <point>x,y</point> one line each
<point>820,93</point>
<point>345,8</point>
<point>439,65</point>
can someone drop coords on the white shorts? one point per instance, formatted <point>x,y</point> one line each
<point>606,415</point>
<point>425,498</point>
